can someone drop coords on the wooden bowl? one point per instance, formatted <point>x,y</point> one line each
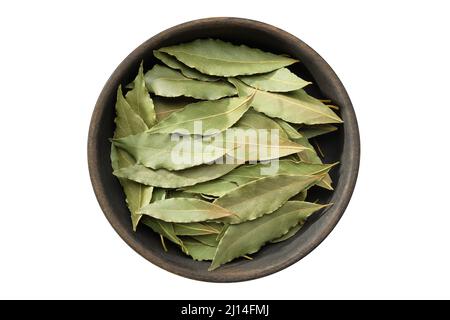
<point>342,145</point>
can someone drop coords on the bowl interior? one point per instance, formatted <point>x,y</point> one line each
<point>272,257</point>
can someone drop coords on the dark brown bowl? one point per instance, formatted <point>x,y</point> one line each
<point>342,146</point>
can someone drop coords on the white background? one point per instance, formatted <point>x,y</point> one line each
<point>393,58</point>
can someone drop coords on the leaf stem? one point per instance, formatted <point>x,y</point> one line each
<point>332,107</point>
<point>319,149</point>
<point>163,243</point>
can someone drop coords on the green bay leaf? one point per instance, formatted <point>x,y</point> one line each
<point>184,210</point>
<point>167,82</point>
<point>220,58</point>
<point>281,80</point>
<point>250,236</point>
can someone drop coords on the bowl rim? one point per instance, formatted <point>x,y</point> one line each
<point>351,146</point>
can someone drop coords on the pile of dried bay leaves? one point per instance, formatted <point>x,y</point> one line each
<point>189,164</point>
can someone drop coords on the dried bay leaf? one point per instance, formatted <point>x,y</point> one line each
<point>262,196</point>
<point>250,236</point>
<point>326,183</point>
<point>182,194</point>
<point>137,195</point>
<point>169,152</point>
<point>317,130</point>
<point>281,80</point>
<point>208,197</point>
<point>245,144</point>
<point>251,172</point>
<point>196,229</point>
<point>220,58</point>
<point>290,131</point>
<point>215,115</point>
<point>174,179</point>
<point>163,228</point>
<point>300,196</point>
<point>159,154</point>
<point>140,100</point>
<point>310,156</point>
<point>296,106</point>
<point>164,106</point>
<point>199,251</point>
<point>291,157</point>
<point>157,150</point>
<point>167,82</point>
<point>222,231</point>
<point>257,120</point>
<point>158,194</point>
<point>292,232</point>
<point>172,230</point>
<point>188,72</point>
<point>208,239</point>
<point>184,210</point>
<point>127,121</point>
<point>217,187</point>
